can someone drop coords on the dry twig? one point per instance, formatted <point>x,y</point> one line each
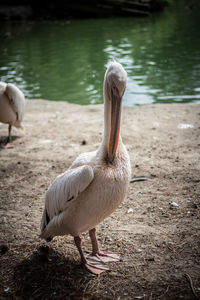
<point>189,279</point>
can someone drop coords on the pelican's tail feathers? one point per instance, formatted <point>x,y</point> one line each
<point>44,223</point>
<point>45,220</point>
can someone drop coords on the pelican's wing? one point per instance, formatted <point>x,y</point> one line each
<point>83,159</point>
<point>17,100</point>
<point>65,187</point>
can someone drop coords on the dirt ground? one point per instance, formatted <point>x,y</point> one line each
<point>158,240</point>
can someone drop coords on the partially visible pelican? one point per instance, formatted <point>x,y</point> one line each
<point>95,184</point>
<point>12,104</point>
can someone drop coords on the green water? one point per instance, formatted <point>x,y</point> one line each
<point>66,60</point>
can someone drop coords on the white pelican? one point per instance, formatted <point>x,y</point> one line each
<point>12,104</point>
<point>95,184</point>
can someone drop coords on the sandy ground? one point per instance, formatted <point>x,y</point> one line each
<point>158,242</point>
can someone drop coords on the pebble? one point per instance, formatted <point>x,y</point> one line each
<point>150,259</point>
<point>130,210</point>
<point>185,126</point>
<point>173,204</point>
<point>156,124</point>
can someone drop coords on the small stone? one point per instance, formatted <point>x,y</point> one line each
<point>155,124</point>
<point>173,204</point>
<point>185,126</point>
<point>150,259</point>
<point>110,239</point>
<point>153,175</point>
<point>194,205</point>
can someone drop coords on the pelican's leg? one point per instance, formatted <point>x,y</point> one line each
<point>77,241</point>
<point>92,266</point>
<point>95,246</point>
<point>9,133</point>
<point>4,144</point>
<point>102,255</point>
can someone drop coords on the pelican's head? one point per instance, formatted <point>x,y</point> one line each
<point>115,80</point>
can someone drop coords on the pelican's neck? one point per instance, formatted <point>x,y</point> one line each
<point>107,118</point>
<point>107,115</point>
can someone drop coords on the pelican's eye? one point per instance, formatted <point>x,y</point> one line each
<point>115,90</point>
<point>114,87</point>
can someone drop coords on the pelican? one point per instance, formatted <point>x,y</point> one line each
<point>12,104</point>
<point>95,184</point>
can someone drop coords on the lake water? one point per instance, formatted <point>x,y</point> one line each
<point>66,60</point>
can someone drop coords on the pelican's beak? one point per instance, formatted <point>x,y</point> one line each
<point>115,124</point>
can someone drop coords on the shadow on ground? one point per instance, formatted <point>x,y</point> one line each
<point>48,274</point>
